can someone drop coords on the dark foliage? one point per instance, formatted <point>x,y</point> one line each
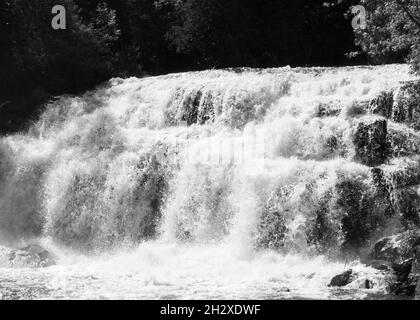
<point>106,38</point>
<point>393,31</point>
<point>37,61</point>
<point>259,33</point>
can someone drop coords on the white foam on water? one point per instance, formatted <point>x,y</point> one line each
<point>158,187</point>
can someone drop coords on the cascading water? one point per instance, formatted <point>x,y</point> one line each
<point>216,184</point>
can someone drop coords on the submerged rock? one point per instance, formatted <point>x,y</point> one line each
<point>343,279</point>
<point>32,256</point>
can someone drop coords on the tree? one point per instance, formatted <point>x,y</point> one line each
<point>393,31</point>
<point>260,33</point>
<point>142,45</point>
<point>37,61</point>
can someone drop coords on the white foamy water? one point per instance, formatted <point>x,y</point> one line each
<point>165,271</point>
<point>194,185</point>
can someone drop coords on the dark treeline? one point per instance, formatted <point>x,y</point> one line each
<point>177,35</point>
<point>392,31</point>
<point>107,38</point>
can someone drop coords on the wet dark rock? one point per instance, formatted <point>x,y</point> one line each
<point>416,272</point>
<point>404,174</point>
<point>191,107</point>
<point>350,194</point>
<point>406,282</point>
<point>364,212</point>
<point>343,279</point>
<point>321,232</point>
<point>405,178</point>
<point>371,143</point>
<point>327,110</point>
<point>414,276</point>
<point>272,228</point>
<point>32,256</point>
<point>402,253</point>
<point>367,284</point>
<point>397,191</point>
<point>402,204</point>
<point>379,179</point>
<point>403,143</point>
<point>397,249</point>
<point>407,105</point>
<point>383,104</point>
<point>311,276</point>
<point>206,111</point>
<point>379,265</point>
<point>407,202</point>
<point>332,144</point>
<point>383,190</point>
<point>356,108</point>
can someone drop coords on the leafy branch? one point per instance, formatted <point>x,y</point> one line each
<point>409,14</point>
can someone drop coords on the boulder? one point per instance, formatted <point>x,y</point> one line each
<point>396,249</point>
<point>191,107</point>
<point>366,284</point>
<point>370,140</point>
<point>414,276</point>
<point>397,191</point>
<point>402,142</point>
<point>403,173</point>
<point>343,279</point>
<point>403,285</point>
<point>402,253</point>
<point>383,104</point>
<point>407,105</point>
<point>32,256</point>
<point>332,109</point>
<point>364,210</point>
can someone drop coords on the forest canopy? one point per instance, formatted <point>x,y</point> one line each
<point>108,38</point>
<point>393,31</point>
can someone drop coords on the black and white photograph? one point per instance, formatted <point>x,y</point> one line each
<point>210,150</point>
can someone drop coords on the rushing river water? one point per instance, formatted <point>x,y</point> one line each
<point>216,184</point>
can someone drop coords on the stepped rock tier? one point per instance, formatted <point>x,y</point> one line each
<point>230,183</point>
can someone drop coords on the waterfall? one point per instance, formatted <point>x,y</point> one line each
<point>233,172</point>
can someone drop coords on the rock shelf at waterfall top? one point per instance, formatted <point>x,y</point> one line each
<point>218,184</point>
